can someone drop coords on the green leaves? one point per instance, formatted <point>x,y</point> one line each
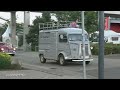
<point>91,21</point>
<point>91,18</point>
<point>67,15</point>
<point>109,49</point>
<point>33,34</point>
<point>5,61</point>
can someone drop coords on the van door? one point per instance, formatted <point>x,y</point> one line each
<point>63,45</point>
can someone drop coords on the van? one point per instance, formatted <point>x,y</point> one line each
<point>63,44</point>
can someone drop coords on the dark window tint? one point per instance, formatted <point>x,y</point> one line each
<point>62,38</point>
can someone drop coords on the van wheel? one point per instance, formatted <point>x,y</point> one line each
<point>42,59</point>
<point>62,60</point>
<point>87,62</point>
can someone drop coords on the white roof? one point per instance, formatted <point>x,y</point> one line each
<point>109,33</point>
<point>112,12</point>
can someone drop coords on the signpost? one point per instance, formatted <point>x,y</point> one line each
<point>83,42</point>
<point>101,46</point>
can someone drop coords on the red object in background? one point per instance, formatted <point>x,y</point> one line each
<point>106,23</point>
<point>115,27</point>
<point>4,47</point>
<point>73,24</point>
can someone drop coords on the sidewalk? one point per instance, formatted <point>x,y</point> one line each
<point>36,72</point>
<point>29,74</point>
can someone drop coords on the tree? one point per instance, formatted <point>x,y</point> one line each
<point>91,21</point>
<point>33,34</point>
<point>67,15</point>
<point>19,32</point>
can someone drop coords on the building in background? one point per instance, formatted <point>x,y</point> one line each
<point>112,21</point>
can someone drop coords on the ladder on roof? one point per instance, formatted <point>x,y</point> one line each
<point>56,25</point>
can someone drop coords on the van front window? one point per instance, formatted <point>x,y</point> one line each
<point>77,37</point>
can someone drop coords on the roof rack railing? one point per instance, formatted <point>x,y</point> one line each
<point>55,25</point>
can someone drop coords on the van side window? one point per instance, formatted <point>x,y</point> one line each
<point>62,38</point>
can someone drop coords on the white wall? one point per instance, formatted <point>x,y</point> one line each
<point>112,12</point>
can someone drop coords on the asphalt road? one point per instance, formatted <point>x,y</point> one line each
<point>111,63</point>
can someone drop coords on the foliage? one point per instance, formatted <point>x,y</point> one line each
<point>67,15</point>
<point>19,32</point>
<point>5,61</point>
<point>91,21</point>
<point>33,34</point>
<point>108,49</point>
<point>20,42</point>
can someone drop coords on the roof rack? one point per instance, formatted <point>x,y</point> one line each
<point>57,25</point>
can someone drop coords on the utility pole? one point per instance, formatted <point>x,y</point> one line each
<point>101,46</point>
<point>26,28</point>
<point>83,42</point>
<point>13,28</point>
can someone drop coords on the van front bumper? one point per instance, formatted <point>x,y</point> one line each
<point>80,59</point>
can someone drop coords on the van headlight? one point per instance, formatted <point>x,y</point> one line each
<point>2,49</point>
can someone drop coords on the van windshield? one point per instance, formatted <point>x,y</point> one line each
<point>77,37</point>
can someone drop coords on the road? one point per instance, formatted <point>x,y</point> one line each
<point>74,69</point>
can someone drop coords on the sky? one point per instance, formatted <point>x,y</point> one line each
<point>20,16</point>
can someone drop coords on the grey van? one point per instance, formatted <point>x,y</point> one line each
<point>63,44</point>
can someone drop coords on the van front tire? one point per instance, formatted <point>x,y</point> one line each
<point>42,59</point>
<point>62,61</point>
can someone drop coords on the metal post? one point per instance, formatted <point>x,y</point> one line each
<point>83,42</point>
<point>13,28</point>
<point>101,46</point>
<point>26,28</point>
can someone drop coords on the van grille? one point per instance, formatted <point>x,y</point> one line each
<point>86,50</point>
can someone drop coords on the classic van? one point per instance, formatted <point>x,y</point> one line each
<point>63,44</point>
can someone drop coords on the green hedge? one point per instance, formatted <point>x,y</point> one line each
<point>109,49</point>
<point>5,61</point>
